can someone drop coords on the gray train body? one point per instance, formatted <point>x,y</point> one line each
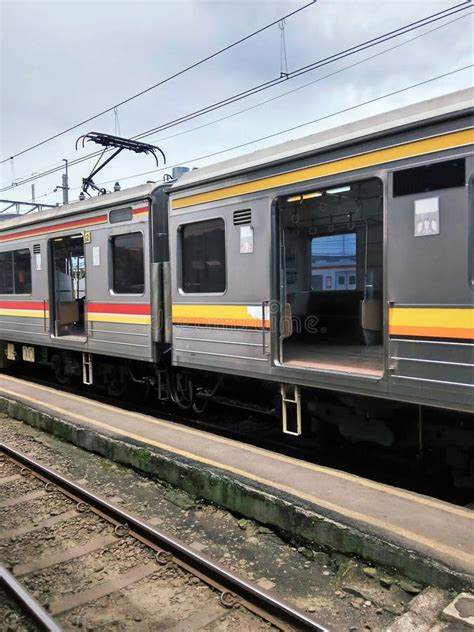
<point>115,324</point>
<point>425,282</point>
<point>241,265</point>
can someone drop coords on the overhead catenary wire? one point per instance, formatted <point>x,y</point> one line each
<point>290,129</point>
<point>303,70</point>
<point>306,85</point>
<point>51,168</point>
<point>300,125</point>
<point>39,197</point>
<point>163,81</point>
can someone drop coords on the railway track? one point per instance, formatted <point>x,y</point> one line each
<point>71,554</point>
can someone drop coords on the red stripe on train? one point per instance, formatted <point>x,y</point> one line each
<point>23,305</point>
<point>80,223</point>
<point>142,209</point>
<point>119,308</point>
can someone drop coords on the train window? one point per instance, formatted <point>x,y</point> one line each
<point>439,175</point>
<point>128,270</point>
<point>333,256</point>
<point>120,215</point>
<point>203,256</point>
<point>15,272</point>
<point>22,271</point>
<point>6,273</point>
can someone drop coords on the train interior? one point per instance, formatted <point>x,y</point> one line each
<point>68,285</point>
<point>333,278</point>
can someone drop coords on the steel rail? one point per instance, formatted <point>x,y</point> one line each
<point>234,589</point>
<point>27,602</point>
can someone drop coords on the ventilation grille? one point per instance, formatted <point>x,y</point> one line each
<point>242,217</point>
<point>36,249</point>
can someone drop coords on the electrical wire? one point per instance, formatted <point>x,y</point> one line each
<point>163,81</point>
<point>323,62</point>
<point>299,126</point>
<point>271,99</point>
<point>290,129</point>
<point>305,69</point>
<point>306,85</point>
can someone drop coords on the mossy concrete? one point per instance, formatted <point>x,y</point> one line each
<point>293,517</point>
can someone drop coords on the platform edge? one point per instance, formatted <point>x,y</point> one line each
<point>246,498</point>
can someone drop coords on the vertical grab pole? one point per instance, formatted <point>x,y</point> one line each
<point>366,259</point>
<point>264,343</point>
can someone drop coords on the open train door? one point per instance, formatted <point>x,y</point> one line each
<point>68,286</point>
<point>331,279</point>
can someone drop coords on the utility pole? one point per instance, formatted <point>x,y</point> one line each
<point>65,183</point>
<point>32,192</point>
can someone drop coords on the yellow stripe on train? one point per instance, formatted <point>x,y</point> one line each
<point>369,159</point>
<point>432,322</point>
<point>24,313</point>
<point>219,315</point>
<point>119,318</point>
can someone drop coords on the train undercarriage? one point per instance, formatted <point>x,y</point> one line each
<point>411,437</point>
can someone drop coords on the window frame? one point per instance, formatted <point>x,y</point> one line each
<point>179,251</point>
<point>112,291</point>
<point>120,221</point>
<point>9,252</point>
<point>426,163</point>
<point>336,273</point>
<point>12,253</point>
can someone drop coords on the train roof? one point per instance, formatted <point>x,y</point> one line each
<point>100,201</point>
<point>446,106</point>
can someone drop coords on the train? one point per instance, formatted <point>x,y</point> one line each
<point>327,279</point>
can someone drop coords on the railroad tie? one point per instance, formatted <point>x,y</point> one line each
<point>199,620</point>
<point>69,602</point>
<point>65,556</point>
<point>49,522</point>
<point>9,479</point>
<point>18,500</point>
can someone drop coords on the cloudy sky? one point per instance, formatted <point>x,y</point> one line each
<point>62,62</point>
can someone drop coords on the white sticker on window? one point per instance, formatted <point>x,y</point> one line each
<point>38,262</point>
<point>427,217</point>
<point>96,256</point>
<point>246,240</point>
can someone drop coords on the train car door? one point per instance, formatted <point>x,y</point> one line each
<point>68,286</point>
<point>331,278</point>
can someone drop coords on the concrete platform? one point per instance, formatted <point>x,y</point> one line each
<point>426,539</point>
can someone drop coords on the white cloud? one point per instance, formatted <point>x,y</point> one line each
<point>64,61</point>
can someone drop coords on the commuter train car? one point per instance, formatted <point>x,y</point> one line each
<point>340,267</point>
<point>81,286</point>
<point>333,274</point>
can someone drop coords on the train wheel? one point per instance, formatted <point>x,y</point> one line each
<point>61,378</point>
<point>182,390</point>
<point>59,371</point>
<point>200,405</point>
<point>116,385</point>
